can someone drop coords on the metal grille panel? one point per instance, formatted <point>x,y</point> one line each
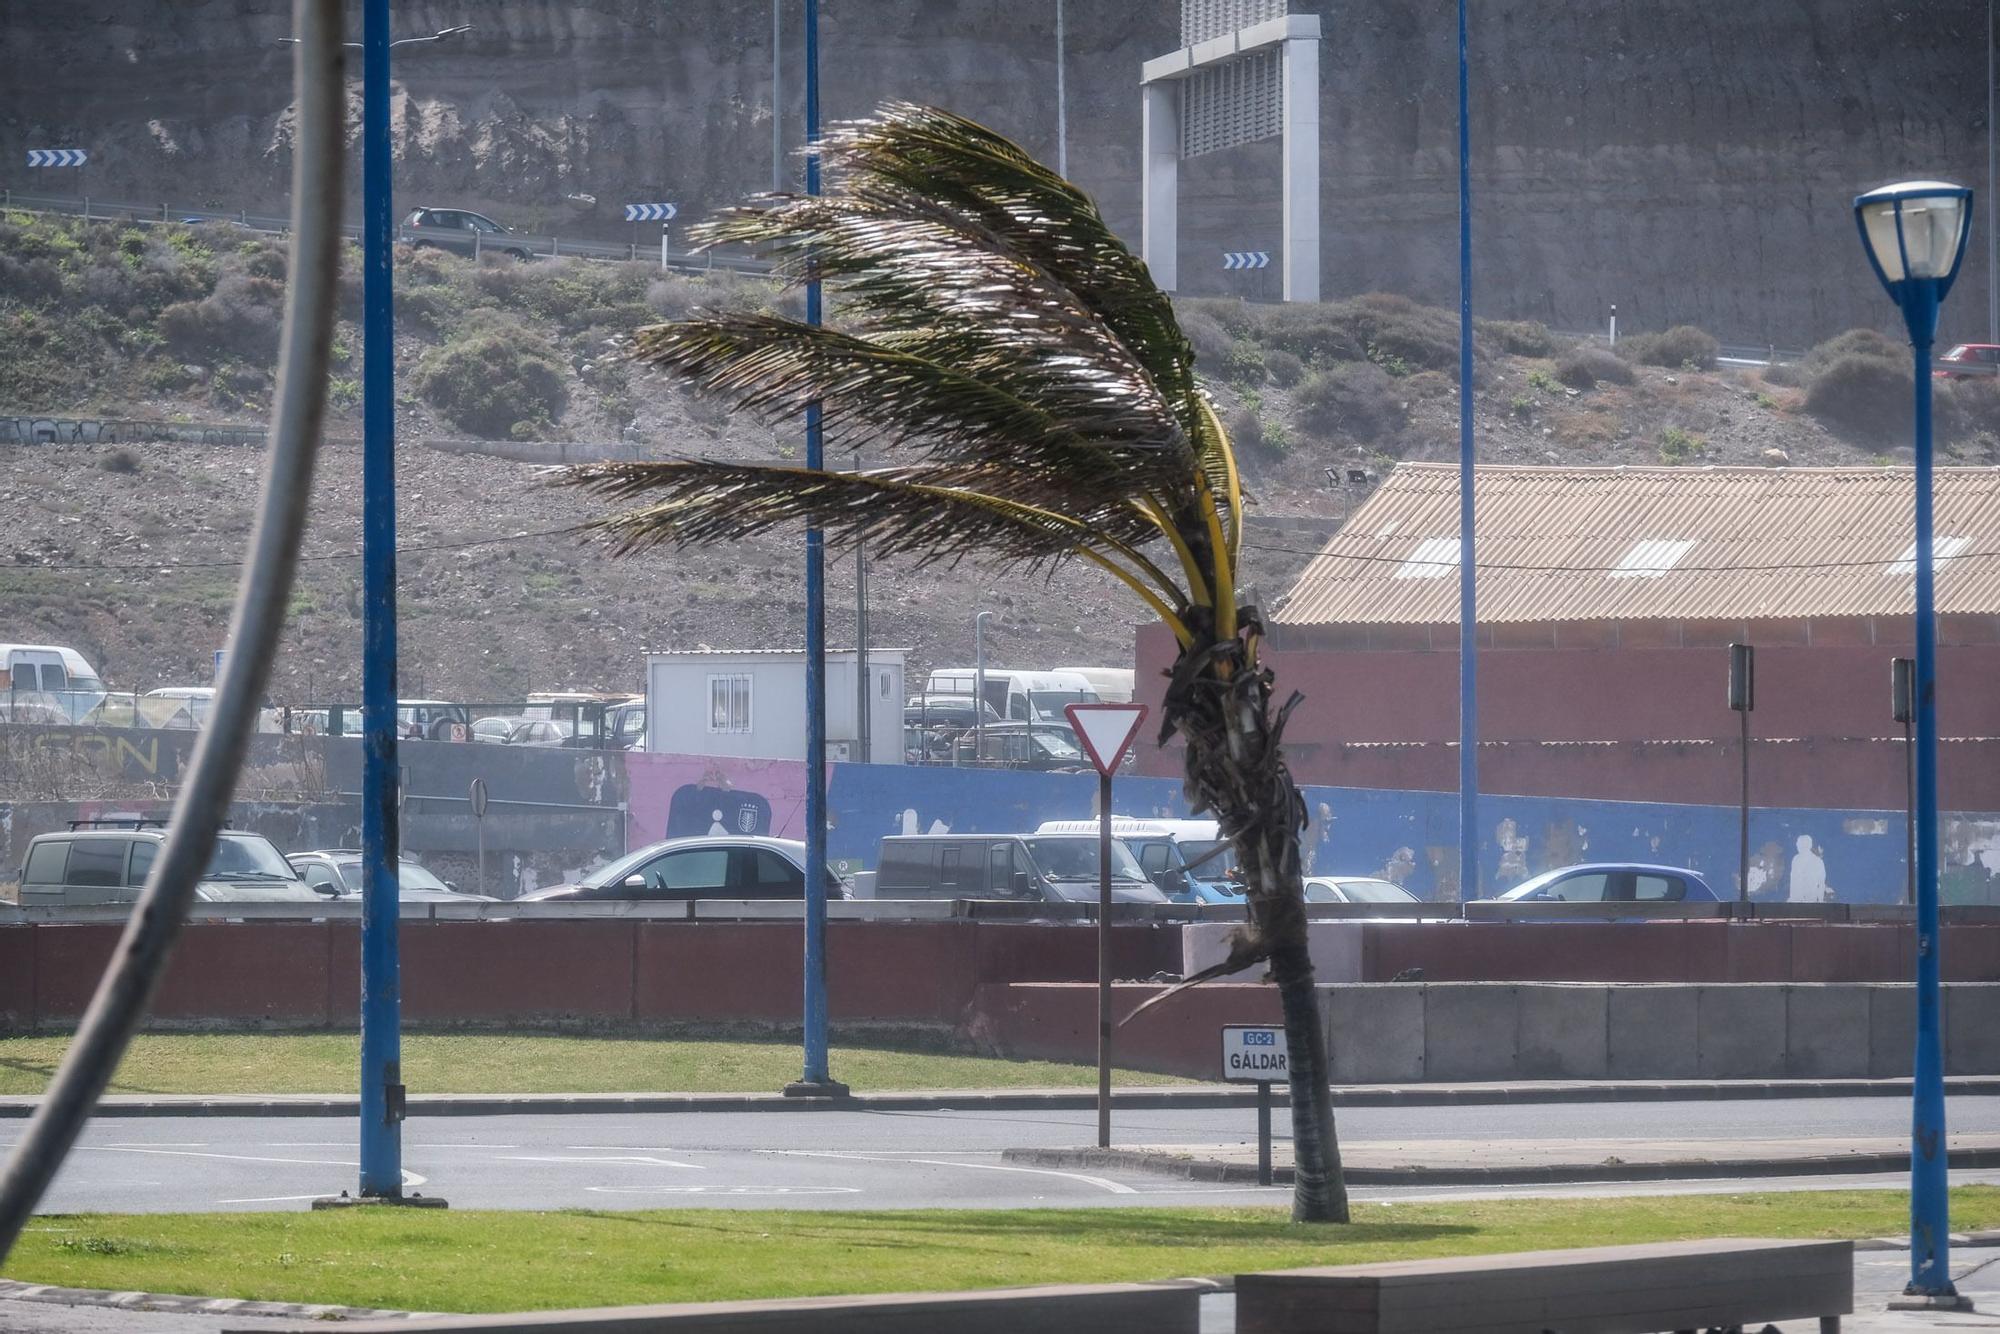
<point>1237,103</point>
<point>1203,19</point>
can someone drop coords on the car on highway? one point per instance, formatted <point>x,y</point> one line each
<point>702,867</point>
<point>1355,889</point>
<point>107,861</point>
<point>1613,882</point>
<point>336,873</point>
<point>462,231</point>
<point>1045,868</point>
<point>1967,360</point>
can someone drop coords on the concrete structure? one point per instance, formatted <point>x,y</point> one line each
<point>1246,70</point>
<point>751,704</point>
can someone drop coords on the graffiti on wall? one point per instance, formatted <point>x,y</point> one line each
<point>1408,837</point>
<point>19,430</point>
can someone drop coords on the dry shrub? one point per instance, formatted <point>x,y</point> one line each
<point>1520,338</point>
<point>1588,367</point>
<point>1682,347</point>
<point>1587,426</point>
<point>1356,399</point>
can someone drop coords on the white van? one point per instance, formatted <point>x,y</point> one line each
<point>52,675</point>
<point>1112,684</point>
<point>1016,694</point>
<point>1188,859</point>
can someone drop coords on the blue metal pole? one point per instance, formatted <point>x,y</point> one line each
<point>1468,618</point>
<point>815,1076</point>
<point>1930,1230</point>
<point>381,987</point>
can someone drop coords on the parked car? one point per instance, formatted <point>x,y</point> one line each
<point>1050,747</point>
<point>107,861</point>
<point>336,873</point>
<point>946,711</point>
<point>1967,360</point>
<point>462,231</point>
<point>496,729</point>
<point>1613,882</point>
<point>625,725</point>
<point>51,674</point>
<point>706,867</point>
<point>1355,889</point>
<point>1048,868</point>
<point>433,719</point>
<point>1188,859</point>
<point>180,707</point>
<point>539,732</point>
<point>1028,696</point>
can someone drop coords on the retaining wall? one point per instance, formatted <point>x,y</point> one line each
<point>1449,1032</point>
<point>1651,951</point>
<point>594,973</point>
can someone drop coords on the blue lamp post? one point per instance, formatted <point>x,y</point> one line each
<point>1915,235</point>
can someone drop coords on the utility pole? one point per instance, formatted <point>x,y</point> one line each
<point>864,733</point>
<point>1062,102</point>
<point>777,100</point>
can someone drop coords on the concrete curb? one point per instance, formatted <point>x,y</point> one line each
<point>12,1290</point>
<point>1132,1099</point>
<point>1540,1174</point>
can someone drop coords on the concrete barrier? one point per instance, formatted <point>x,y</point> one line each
<point>1471,1031</point>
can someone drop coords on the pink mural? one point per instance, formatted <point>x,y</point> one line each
<point>672,796</point>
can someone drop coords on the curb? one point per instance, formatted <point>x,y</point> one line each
<point>12,1290</point>
<point>1549,1174</point>
<point>1152,1099</point>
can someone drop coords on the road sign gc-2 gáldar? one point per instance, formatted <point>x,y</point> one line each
<point>1255,1054</point>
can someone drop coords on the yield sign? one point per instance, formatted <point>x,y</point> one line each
<point>1106,731</point>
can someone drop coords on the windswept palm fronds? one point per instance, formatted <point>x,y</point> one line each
<point>1037,404</point>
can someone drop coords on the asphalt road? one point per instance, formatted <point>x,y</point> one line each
<point>838,1160</point>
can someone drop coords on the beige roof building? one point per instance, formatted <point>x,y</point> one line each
<point>1640,544</point>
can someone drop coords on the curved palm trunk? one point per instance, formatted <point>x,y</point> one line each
<point>1221,703</point>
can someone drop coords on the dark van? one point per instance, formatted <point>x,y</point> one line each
<point>1045,868</point>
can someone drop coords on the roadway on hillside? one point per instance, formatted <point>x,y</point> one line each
<point>864,1159</point>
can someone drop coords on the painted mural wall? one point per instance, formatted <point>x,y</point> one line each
<point>1408,837</point>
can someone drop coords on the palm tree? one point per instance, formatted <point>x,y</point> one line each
<point>1039,404</point>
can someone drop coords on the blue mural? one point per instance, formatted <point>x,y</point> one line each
<point>1412,837</point>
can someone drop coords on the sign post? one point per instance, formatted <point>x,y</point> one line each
<point>1743,698</point>
<point>1106,731</point>
<point>478,795</point>
<point>1257,1054</point>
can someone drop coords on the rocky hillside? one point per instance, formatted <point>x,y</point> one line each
<point>125,551</point>
<point>1688,161</point>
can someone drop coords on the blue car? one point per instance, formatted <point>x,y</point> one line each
<point>1613,882</point>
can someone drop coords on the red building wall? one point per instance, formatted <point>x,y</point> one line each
<point>1607,717</point>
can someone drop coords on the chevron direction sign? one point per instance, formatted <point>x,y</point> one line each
<point>650,212</point>
<point>1246,259</point>
<point>57,157</point>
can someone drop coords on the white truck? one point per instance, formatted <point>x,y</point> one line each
<point>1015,693</point>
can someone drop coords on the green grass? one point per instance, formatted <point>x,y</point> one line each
<point>501,1261</point>
<point>490,1063</point>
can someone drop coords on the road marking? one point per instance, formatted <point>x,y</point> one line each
<point>428,1147</point>
<point>161,1144</point>
<point>1102,1183</point>
<point>725,1190</point>
<point>623,1158</point>
<point>275,1199</point>
<point>409,1178</point>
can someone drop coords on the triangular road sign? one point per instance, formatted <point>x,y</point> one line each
<point>1106,730</point>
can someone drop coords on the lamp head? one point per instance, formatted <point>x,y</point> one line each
<point>1915,233</point>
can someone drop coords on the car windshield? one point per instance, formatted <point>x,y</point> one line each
<point>1057,745</point>
<point>1064,859</point>
<point>247,857</point>
<point>1956,354</point>
<point>1211,861</point>
<point>1375,891</point>
<point>408,876</point>
<point>1049,703</point>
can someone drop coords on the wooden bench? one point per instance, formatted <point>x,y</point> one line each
<point>1667,1286</point>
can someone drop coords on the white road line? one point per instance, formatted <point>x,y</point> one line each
<point>161,1144</point>
<point>277,1199</point>
<point>428,1147</point>
<point>409,1178</point>
<point>1102,1183</point>
<point>624,1158</point>
<point>735,1191</point>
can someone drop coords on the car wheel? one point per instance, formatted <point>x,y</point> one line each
<point>521,255</point>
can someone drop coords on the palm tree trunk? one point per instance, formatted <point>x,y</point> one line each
<point>1222,705</point>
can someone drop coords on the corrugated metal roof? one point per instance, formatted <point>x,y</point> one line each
<point>1567,544</point>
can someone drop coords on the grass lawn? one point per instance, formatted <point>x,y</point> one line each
<point>421,1260</point>
<point>485,1063</point>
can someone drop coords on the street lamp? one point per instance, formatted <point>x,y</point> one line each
<point>1915,235</point>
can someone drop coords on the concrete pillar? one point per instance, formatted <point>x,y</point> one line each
<point>1160,233</point>
<point>1299,77</point>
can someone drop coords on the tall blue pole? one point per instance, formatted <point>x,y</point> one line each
<point>815,1080</point>
<point>1930,1229</point>
<point>1468,618</point>
<point>381,986</point>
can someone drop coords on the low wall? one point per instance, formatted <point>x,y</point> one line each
<point>1411,1032</point>
<point>592,973</point>
<point>1650,951</point>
